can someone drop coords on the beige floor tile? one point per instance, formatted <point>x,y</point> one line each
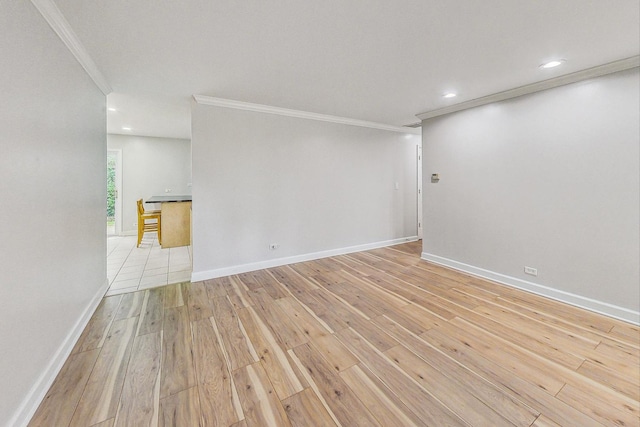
<point>131,268</point>
<point>147,283</point>
<point>181,276</point>
<point>128,276</point>
<point>181,267</point>
<point>159,278</point>
<point>152,265</point>
<point>155,271</point>
<point>120,284</point>
<point>135,262</point>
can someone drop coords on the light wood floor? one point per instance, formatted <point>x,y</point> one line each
<point>367,339</point>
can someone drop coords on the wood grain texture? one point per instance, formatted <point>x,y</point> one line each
<point>529,393</point>
<point>371,338</point>
<point>101,395</point>
<point>305,409</point>
<point>96,331</point>
<point>152,312</point>
<point>215,387</point>
<point>415,397</point>
<point>273,358</point>
<point>198,302</point>
<point>340,398</point>
<point>260,404</point>
<point>173,296</point>
<point>180,409</point>
<point>107,423</point>
<point>510,408</point>
<point>60,402</point>
<point>178,370</point>
<point>237,293</point>
<point>382,402</point>
<point>130,305</point>
<point>141,390</point>
<point>602,408</point>
<point>216,287</point>
<point>285,331</point>
<point>453,394</point>
<point>543,421</point>
<point>236,344</point>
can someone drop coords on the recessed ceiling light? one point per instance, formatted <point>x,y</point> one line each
<point>111,109</point>
<point>552,64</point>
<point>449,95</point>
<point>126,128</point>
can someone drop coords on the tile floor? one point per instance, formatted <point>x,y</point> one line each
<point>130,269</point>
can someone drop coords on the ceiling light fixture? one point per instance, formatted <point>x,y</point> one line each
<point>111,109</point>
<point>449,95</point>
<point>552,64</point>
<point>126,128</point>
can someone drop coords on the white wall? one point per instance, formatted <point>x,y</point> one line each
<point>149,166</point>
<point>548,180</point>
<point>306,185</point>
<point>52,181</point>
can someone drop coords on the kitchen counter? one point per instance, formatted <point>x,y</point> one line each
<point>169,199</point>
<point>176,219</point>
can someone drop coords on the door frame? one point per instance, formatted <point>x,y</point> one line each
<point>419,161</point>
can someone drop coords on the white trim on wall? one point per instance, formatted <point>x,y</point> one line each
<point>197,276</point>
<point>601,70</point>
<point>38,391</point>
<point>261,108</point>
<point>60,25</point>
<point>607,309</point>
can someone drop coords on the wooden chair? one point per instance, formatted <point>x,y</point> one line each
<point>144,226</point>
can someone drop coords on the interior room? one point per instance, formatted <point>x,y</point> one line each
<point>151,166</point>
<point>350,214</point>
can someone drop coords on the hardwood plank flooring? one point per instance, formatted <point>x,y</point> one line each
<point>180,409</point>
<point>178,372</point>
<point>141,391</point>
<point>365,339</point>
<point>305,406</point>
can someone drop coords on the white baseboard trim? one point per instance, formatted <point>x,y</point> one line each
<point>197,276</point>
<point>30,403</point>
<point>590,304</point>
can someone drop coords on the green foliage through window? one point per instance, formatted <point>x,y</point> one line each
<point>111,187</point>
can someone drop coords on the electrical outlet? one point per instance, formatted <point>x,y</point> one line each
<point>274,246</point>
<point>530,270</point>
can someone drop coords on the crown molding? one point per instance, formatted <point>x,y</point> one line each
<point>601,70</point>
<point>261,108</point>
<point>60,25</point>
